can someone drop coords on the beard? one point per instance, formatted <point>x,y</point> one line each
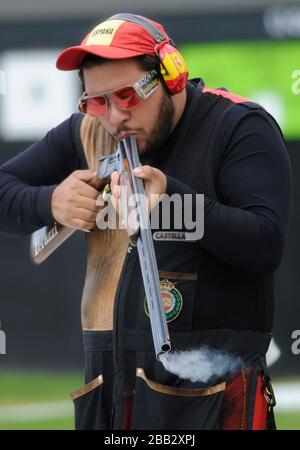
<point>161,129</point>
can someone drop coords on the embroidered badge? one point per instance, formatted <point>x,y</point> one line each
<point>172,300</point>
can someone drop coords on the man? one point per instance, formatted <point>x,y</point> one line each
<point>219,289</point>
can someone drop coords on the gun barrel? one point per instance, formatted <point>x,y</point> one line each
<point>147,256</point>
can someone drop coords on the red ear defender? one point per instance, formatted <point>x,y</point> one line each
<point>173,68</point>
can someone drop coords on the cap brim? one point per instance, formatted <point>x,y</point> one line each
<point>71,58</point>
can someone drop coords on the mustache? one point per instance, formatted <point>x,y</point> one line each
<point>124,128</point>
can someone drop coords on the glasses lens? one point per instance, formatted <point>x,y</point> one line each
<point>95,106</point>
<point>125,98</point>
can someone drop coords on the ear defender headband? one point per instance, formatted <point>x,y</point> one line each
<point>173,68</point>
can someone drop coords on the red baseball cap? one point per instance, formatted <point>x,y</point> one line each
<point>115,38</point>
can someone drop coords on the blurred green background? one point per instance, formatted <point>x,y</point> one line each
<point>259,70</point>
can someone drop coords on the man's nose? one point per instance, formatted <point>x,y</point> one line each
<point>117,115</point>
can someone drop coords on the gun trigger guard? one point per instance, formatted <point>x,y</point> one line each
<point>106,193</point>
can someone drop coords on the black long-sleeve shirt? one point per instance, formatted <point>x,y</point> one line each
<point>247,228</point>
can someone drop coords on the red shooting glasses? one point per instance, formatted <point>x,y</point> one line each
<point>124,98</point>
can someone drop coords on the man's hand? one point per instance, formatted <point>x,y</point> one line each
<point>73,201</point>
<point>155,183</point>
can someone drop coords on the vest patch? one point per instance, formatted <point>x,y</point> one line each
<point>172,300</point>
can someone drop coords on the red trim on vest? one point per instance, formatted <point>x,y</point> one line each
<point>260,408</point>
<point>233,97</point>
<point>128,410</point>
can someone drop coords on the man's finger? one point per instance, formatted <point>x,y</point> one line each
<point>87,203</point>
<point>83,224</point>
<point>145,172</point>
<point>114,180</point>
<point>86,215</point>
<point>84,175</point>
<point>116,191</point>
<point>87,191</point>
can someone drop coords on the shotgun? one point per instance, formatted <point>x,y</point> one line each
<point>124,160</point>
